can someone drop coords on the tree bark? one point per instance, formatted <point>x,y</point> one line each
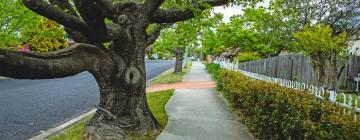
<point>179,60</point>
<point>319,64</point>
<point>123,108</point>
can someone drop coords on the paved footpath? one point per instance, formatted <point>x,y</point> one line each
<point>182,85</point>
<point>200,114</point>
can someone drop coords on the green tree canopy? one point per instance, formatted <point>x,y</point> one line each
<point>324,47</point>
<point>269,30</point>
<point>185,34</point>
<point>14,18</point>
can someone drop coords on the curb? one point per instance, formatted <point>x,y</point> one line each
<point>148,82</point>
<point>59,128</point>
<point>44,135</point>
<point>3,78</point>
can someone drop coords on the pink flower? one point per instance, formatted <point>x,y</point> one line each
<point>25,48</point>
<point>71,42</point>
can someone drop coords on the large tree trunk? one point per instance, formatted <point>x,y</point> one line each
<point>123,108</point>
<point>179,60</point>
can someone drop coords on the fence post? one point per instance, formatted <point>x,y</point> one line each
<point>332,96</point>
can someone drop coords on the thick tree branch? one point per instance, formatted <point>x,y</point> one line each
<point>123,7</point>
<point>155,34</point>
<point>66,7</point>
<point>78,37</point>
<point>58,64</point>
<point>42,8</point>
<point>117,32</point>
<point>171,16</point>
<point>93,16</point>
<point>121,37</point>
<point>212,3</point>
<point>107,6</point>
<point>150,6</point>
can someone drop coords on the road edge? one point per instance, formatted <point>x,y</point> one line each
<point>3,78</point>
<point>44,135</point>
<point>61,127</point>
<point>148,82</point>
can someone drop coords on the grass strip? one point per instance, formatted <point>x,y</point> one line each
<point>171,77</point>
<point>156,100</point>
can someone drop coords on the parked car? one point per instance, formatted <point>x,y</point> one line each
<point>154,56</point>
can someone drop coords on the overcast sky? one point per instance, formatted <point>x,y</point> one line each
<point>235,10</point>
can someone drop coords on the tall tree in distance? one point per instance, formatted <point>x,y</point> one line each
<point>183,36</point>
<point>319,43</point>
<point>340,15</point>
<point>333,22</point>
<point>119,70</point>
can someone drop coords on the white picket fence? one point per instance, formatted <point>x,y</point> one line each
<point>318,92</point>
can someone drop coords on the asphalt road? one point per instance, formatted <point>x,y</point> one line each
<point>29,106</point>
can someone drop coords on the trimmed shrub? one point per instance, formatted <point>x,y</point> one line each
<point>214,70</point>
<point>46,37</point>
<point>274,112</point>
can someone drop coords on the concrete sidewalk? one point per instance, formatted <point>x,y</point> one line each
<point>197,73</point>
<point>200,114</point>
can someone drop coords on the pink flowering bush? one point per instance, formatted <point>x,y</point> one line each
<point>25,48</point>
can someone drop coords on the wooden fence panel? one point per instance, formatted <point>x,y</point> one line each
<point>298,67</point>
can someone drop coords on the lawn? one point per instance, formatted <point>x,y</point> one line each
<point>171,77</point>
<point>156,100</point>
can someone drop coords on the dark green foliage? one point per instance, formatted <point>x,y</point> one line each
<point>247,56</point>
<point>214,70</point>
<point>274,112</point>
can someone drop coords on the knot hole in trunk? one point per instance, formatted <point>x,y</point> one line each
<point>132,75</point>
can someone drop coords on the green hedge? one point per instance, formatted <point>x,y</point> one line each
<point>274,112</point>
<point>214,70</point>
